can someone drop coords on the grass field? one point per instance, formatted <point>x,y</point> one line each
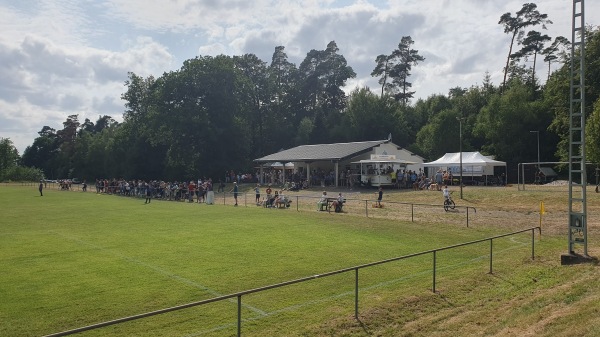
<point>71,259</point>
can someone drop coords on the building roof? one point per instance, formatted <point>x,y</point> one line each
<point>318,152</point>
<point>548,172</point>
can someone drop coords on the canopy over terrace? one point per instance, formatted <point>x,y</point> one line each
<point>373,171</point>
<point>308,154</point>
<point>474,163</point>
<point>288,166</point>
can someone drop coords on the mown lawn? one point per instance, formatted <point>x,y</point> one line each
<point>71,259</point>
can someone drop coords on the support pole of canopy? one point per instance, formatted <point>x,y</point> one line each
<point>262,176</point>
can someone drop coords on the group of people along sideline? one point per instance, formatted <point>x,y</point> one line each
<point>273,199</point>
<point>183,191</point>
<point>336,203</point>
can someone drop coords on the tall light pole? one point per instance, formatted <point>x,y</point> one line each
<point>460,120</point>
<point>538,147</point>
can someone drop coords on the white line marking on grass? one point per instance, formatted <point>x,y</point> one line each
<point>160,271</point>
<point>349,293</point>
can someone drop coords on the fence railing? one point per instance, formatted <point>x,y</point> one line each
<point>357,204</point>
<point>354,269</point>
<point>353,205</point>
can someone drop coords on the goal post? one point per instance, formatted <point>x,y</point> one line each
<point>527,173</point>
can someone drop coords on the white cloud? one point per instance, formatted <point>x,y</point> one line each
<point>212,49</point>
<point>63,57</point>
<point>48,82</point>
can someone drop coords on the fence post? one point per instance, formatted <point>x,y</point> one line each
<point>533,243</point>
<point>297,209</point>
<point>467,216</point>
<point>412,212</point>
<point>491,245</point>
<point>224,197</point>
<point>356,294</point>
<point>367,208</point>
<point>239,315</point>
<point>434,264</point>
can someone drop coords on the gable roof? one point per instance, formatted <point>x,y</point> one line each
<point>468,158</point>
<point>317,152</point>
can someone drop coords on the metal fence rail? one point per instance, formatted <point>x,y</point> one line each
<point>352,205</point>
<point>356,206</point>
<point>239,295</point>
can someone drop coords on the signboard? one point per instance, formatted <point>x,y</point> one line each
<point>467,170</point>
<point>383,157</point>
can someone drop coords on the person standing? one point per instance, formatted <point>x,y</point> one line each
<point>41,188</point>
<point>380,197</point>
<point>269,192</point>
<point>148,193</point>
<point>439,179</point>
<point>192,191</point>
<point>257,192</point>
<point>235,192</point>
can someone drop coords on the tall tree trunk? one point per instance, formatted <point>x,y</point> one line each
<point>512,41</point>
<point>533,71</point>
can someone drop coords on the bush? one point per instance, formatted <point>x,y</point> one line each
<point>20,173</point>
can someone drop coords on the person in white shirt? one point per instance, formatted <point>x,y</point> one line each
<point>337,203</point>
<point>446,192</point>
<point>322,201</point>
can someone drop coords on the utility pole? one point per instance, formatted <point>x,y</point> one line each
<point>460,120</point>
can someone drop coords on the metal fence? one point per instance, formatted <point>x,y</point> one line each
<point>353,205</point>
<point>364,207</point>
<point>355,269</point>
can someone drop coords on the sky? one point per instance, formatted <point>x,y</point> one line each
<point>66,57</point>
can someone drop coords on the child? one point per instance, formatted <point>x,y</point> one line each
<point>446,192</point>
<point>380,196</point>
<point>257,192</point>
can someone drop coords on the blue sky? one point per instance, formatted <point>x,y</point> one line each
<point>64,57</point>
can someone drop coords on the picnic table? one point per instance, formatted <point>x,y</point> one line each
<point>329,204</point>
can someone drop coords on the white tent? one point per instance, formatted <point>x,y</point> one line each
<point>474,164</point>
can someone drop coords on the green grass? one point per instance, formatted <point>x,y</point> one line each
<point>71,259</point>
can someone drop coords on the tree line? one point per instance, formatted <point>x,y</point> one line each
<point>216,114</point>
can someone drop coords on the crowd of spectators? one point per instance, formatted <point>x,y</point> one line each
<point>194,190</point>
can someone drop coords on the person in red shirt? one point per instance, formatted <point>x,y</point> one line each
<point>192,190</point>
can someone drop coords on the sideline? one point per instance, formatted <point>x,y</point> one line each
<point>156,269</point>
<point>351,293</point>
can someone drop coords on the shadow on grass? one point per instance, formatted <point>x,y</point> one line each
<point>363,326</point>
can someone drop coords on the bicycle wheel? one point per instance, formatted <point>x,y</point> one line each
<point>446,205</point>
<point>451,204</point>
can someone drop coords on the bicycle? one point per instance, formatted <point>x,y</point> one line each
<point>449,203</point>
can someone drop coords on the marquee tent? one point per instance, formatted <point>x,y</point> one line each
<point>474,163</point>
